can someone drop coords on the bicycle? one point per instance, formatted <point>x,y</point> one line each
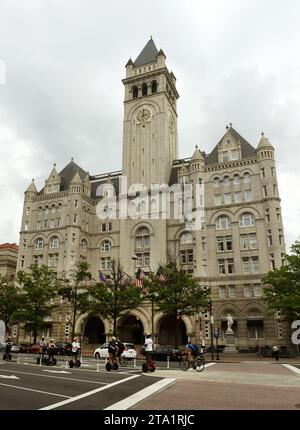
<point>198,363</point>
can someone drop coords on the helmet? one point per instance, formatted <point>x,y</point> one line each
<point>113,338</point>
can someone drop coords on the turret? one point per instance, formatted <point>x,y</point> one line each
<point>52,184</point>
<point>76,185</point>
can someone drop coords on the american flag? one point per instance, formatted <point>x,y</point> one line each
<point>102,277</point>
<point>123,278</point>
<point>160,274</point>
<point>139,278</point>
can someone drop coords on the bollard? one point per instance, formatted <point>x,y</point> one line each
<point>168,362</point>
<point>40,361</point>
<point>81,358</point>
<point>134,362</point>
<point>98,367</point>
<point>66,366</point>
<point>18,358</point>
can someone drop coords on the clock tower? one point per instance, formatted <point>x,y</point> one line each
<point>150,119</point>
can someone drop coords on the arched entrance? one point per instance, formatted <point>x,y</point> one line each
<point>94,331</point>
<point>172,331</point>
<point>130,329</point>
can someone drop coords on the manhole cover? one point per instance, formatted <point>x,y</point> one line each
<point>297,406</point>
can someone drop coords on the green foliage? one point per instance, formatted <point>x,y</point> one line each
<point>75,289</point>
<point>114,298</point>
<point>282,291</point>
<point>38,288</point>
<point>175,291</point>
<point>9,300</point>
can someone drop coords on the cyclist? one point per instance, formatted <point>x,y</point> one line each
<point>192,351</point>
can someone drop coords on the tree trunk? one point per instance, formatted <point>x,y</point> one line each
<point>176,331</point>
<point>34,336</point>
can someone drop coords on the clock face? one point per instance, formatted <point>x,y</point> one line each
<point>143,115</point>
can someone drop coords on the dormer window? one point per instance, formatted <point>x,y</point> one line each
<point>234,154</point>
<point>224,156</point>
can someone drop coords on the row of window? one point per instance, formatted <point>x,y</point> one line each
<point>236,197</point>
<point>247,219</point>
<point>145,87</point>
<point>229,291</point>
<point>236,180</point>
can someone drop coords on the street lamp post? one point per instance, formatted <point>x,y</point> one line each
<point>217,335</point>
<point>211,330</point>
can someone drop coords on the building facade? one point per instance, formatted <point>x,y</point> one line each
<point>8,259</point>
<point>94,218</point>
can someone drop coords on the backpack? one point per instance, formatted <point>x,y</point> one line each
<point>194,348</point>
<point>121,347</point>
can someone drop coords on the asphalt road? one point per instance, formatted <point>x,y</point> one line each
<point>31,387</point>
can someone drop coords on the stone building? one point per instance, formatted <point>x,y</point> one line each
<point>8,259</point>
<point>82,217</point>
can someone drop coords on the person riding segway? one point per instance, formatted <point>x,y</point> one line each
<point>8,356</point>
<point>121,348</point>
<point>51,350</point>
<point>149,365</point>
<point>112,353</point>
<point>75,352</point>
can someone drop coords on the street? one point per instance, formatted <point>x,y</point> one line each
<point>243,384</point>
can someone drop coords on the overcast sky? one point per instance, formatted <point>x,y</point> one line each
<point>235,61</point>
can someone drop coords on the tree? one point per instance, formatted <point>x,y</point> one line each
<point>175,292</point>
<point>9,300</point>
<point>38,288</point>
<point>115,296</point>
<point>74,289</point>
<point>282,291</point>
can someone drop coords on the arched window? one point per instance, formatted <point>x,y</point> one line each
<point>54,242</point>
<point>144,89</point>
<point>46,210</point>
<point>135,92</point>
<point>53,209</point>
<point>39,243</point>
<point>143,206</point>
<point>255,324</point>
<point>223,222</point>
<point>106,246</point>
<point>216,182</point>
<point>226,181</point>
<point>247,178</point>
<point>154,87</point>
<point>247,220</point>
<point>186,238</point>
<point>142,238</point>
<point>83,245</point>
<point>236,180</point>
<point>59,207</point>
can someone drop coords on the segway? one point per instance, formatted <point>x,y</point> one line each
<point>110,367</point>
<point>7,357</point>
<point>148,366</point>
<point>73,363</point>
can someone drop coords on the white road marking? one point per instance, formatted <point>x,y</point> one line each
<point>9,377</point>
<point>35,391</point>
<point>89,393</point>
<point>141,395</point>
<point>206,365</point>
<point>56,377</point>
<point>294,369</point>
<point>56,371</point>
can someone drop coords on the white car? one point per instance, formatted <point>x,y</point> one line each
<point>102,351</point>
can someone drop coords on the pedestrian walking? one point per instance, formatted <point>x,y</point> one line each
<point>275,352</point>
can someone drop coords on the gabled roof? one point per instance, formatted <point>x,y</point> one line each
<point>147,55</point>
<point>67,174</point>
<point>247,150</point>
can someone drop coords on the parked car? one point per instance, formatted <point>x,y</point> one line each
<point>33,349</point>
<point>19,348</point>
<point>102,351</point>
<point>161,354</point>
<point>63,348</point>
